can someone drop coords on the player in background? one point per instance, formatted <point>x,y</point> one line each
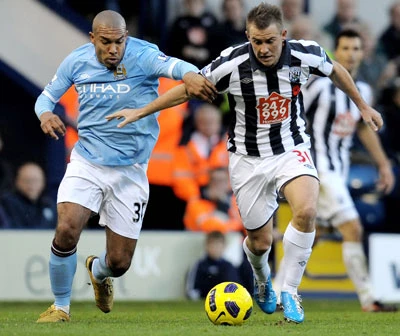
<point>269,149</point>
<point>333,119</point>
<point>107,171</point>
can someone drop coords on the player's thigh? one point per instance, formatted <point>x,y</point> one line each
<point>125,200</point>
<point>253,183</point>
<point>302,193</point>
<point>297,181</point>
<point>335,203</point>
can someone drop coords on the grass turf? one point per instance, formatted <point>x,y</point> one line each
<point>323,317</point>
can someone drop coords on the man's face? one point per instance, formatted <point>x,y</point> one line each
<point>349,53</point>
<point>109,44</point>
<point>266,43</point>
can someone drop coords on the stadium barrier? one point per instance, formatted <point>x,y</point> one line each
<point>158,270</point>
<point>162,259</point>
<point>384,266</point>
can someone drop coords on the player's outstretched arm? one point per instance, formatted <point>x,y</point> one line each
<point>199,87</point>
<point>177,95</point>
<point>342,79</point>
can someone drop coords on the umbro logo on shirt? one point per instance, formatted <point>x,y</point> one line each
<point>246,80</point>
<point>83,76</point>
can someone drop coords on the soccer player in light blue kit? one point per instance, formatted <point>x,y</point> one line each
<point>107,170</point>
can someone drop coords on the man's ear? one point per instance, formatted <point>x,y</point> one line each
<point>284,34</point>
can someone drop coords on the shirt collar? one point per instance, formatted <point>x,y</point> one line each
<point>284,59</point>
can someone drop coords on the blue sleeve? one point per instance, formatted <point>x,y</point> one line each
<point>156,63</point>
<point>43,104</point>
<point>54,90</point>
<point>181,68</point>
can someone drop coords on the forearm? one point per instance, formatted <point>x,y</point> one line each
<point>43,104</point>
<point>343,80</point>
<point>372,144</point>
<point>175,96</point>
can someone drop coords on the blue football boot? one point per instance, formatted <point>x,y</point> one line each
<point>265,296</point>
<point>292,309</point>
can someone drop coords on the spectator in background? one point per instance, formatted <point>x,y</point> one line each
<point>345,14</point>
<point>389,41</point>
<point>27,207</point>
<point>160,169</point>
<point>189,37</point>
<point>215,209</point>
<point>388,74</point>
<point>205,149</point>
<point>210,270</point>
<point>231,31</point>
<point>291,10</point>
<point>6,171</point>
<point>373,62</point>
<point>389,104</point>
<point>304,28</point>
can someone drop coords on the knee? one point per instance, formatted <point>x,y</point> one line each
<point>351,231</point>
<point>260,245</point>
<point>305,218</point>
<point>118,266</point>
<point>66,237</point>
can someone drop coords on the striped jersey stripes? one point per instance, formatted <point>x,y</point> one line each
<point>266,104</point>
<point>332,121</point>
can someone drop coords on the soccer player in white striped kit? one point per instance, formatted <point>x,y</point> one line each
<point>268,145</point>
<point>332,122</point>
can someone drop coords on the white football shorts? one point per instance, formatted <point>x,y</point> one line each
<point>335,205</point>
<point>257,182</point>
<point>119,194</point>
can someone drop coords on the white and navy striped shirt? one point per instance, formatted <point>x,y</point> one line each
<point>331,122</point>
<point>266,103</point>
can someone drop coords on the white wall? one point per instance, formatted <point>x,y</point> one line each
<point>158,269</point>
<point>35,39</point>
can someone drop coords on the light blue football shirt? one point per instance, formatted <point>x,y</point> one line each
<point>102,91</point>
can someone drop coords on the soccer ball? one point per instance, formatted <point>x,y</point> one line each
<point>228,303</point>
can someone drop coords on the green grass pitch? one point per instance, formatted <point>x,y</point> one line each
<point>184,318</point>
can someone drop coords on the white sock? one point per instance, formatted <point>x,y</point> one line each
<point>259,264</point>
<point>297,250</point>
<point>356,266</point>
<point>278,279</point>
<point>65,309</point>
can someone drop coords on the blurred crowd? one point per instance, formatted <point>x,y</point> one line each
<point>188,169</point>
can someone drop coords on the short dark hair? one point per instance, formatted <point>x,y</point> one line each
<point>215,235</point>
<point>350,33</point>
<point>265,15</point>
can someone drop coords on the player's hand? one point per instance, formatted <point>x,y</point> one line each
<point>199,87</point>
<point>386,179</point>
<point>51,124</point>
<point>372,118</point>
<point>129,115</point>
